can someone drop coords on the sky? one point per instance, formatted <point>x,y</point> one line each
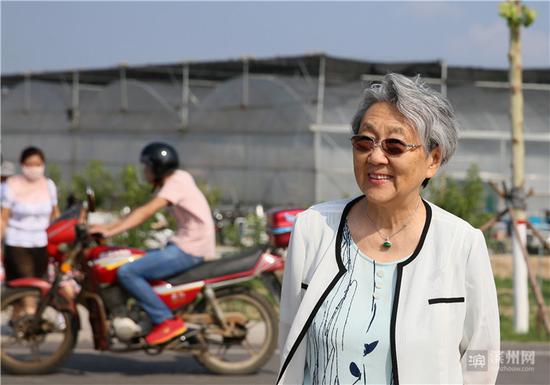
<point>41,36</point>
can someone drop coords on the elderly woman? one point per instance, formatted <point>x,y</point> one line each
<point>388,288</point>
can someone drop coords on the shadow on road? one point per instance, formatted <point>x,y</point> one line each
<point>90,367</point>
<point>130,364</point>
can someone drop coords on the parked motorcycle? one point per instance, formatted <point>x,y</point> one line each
<point>234,329</point>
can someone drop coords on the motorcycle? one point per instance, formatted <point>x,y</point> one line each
<point>233,327</point>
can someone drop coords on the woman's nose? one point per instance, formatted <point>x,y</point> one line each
<point>377,156</point>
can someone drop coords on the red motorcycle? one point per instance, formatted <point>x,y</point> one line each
<point>234,326</point>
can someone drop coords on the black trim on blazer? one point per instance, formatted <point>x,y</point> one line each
<point>304,286</point>
<point>400,266</point>
<point>341,272</point>
<point>431,301</point>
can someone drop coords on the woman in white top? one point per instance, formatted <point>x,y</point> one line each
<point>388,288</point>
<point>29,204</point>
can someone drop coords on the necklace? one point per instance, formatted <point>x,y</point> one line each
<point>387,243</point>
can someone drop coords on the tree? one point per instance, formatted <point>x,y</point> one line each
<point>518,15</point>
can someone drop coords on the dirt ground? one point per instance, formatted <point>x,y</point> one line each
<point>502,266</point>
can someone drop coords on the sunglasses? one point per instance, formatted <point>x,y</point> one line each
<point>390,146</point>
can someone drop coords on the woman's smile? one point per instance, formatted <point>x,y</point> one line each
<point>378,179</point>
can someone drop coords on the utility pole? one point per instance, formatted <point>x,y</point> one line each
<point>518,15</point>
<point>317,133</point>
<point>185,94</point>
<point>246,85</point>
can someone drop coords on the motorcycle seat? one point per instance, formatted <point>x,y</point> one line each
<point>231,264</point>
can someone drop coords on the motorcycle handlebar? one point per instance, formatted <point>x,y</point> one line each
<point>97,236</point>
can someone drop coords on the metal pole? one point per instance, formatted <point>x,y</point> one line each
<point>321,91</point>
<point>317,133</point>
<point>521,295</point>
<point>504,164</point>
<point>532,279</point>
<point>444,78</point>
<point>75,121</point>
<point>185,97</point>
<point>317,157</point>
<point>27,97</point>
<point>245,82</point>
<point>76,100</point>
<point>123,89</point>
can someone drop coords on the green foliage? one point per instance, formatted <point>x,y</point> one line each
<point>101,180</point>
<point>133,193</point>
<point>257,228</point>
<point>231,236</point>
<point>252,234</point>
<point>465,199</point>
<point>54,173</point>
<point>505,303</point>
<point>213,194</point>
<point>525,17</point>
<point>113,193</point>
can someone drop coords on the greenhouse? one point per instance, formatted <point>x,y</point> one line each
<point>272,131</point>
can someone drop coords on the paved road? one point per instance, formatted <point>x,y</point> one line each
<point>87,366</point>
<point>515,373</point>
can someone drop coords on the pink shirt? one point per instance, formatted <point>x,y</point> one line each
<point>195,234</point>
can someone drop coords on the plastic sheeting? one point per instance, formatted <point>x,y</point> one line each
<point>254,139</point>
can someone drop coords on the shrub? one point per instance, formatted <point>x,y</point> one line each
<point>465,199</point>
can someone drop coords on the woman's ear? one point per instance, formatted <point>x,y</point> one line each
<point>434,161</point>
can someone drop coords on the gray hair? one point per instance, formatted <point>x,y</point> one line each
<point>426,109</point>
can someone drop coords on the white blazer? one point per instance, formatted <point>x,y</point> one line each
<point>445,316</point>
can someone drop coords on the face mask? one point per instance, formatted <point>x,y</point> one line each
<point>33,173</point>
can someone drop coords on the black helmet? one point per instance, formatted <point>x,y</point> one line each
<point>161,158</point>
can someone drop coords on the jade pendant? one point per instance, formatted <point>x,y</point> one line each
<point>387,244</point>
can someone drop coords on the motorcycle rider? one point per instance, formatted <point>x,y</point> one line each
<point>193,242</point>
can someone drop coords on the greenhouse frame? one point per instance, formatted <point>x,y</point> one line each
<point>271,131</point>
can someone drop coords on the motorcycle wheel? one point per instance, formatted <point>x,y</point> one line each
<point>28,349</point>
<point>253,340</point>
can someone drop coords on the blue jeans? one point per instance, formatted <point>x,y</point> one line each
<point>155,264</point>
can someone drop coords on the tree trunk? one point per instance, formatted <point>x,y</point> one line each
<point>521,296</point>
